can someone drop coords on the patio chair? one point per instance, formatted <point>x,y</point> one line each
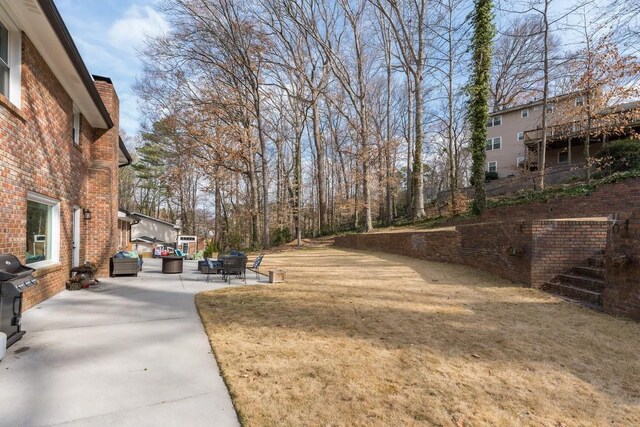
<point>256,266</point>
<point>212,266</point>
<point>124,266</point>
<point>234,266</point>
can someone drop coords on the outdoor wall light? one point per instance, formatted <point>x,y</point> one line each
<point>86,213</point>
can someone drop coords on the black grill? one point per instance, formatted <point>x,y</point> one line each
<point>14,278</point>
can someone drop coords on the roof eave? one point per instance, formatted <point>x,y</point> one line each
<point>59,27</point>
<point>125,153</point>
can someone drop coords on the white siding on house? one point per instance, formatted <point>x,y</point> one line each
<point>160,230</point>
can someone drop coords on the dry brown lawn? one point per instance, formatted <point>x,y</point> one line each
<point>364,338</point>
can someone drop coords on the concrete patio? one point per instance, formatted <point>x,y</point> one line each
<point>131,351</point>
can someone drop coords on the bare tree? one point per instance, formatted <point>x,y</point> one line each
<point>450,32</point>
<point>408,20</point>
<point>604,79</point>
<point>518,61</point>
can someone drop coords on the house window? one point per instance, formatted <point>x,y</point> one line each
<point>494,143</point>
<point>43,230</point>
<point>520,136</point>
<point>75,128</point>
<point>520,161</point>
<point>492,167</point>
<point>580,101</point>
<point>10,60</point>
<point>549,108</point>
<point>494,121</point>
<point>524,113</point>
<point>563,157</point>
<point>4,61</point>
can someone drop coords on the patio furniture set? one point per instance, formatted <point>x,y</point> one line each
<point>228,266</point>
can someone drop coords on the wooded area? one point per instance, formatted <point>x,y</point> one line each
<point>268,121</point>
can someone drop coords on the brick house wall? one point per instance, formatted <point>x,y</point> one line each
<point>102,186</point>
<point>37,154</point>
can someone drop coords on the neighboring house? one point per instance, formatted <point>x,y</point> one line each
<point>514,134</point>
<point>149,231</point>
<point>59,153</point>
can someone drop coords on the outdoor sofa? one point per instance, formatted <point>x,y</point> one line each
<point>125,263</point>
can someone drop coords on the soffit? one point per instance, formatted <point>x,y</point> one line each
<point>50,43</point>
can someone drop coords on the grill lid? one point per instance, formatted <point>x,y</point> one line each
<point>10,268</point>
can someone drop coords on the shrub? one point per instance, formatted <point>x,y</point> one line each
<point>281,236</point>
<point>210,248</point>
<point>619,156</point>
<point>490,176</point>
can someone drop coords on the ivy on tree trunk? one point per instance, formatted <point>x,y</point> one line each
<point>484,31</point>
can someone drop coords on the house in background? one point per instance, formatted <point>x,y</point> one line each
<point>60,150</point>
<point>514,134</point>
<point>149,231</point>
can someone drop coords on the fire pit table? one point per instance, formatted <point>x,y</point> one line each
<point>172,264</point>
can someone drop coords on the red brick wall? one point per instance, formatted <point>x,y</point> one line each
<point>527,252</point>
<point>622,268</point>
<point>433,245</point>
<point>501,248</point>
<point>560,245</point>
<point>102,191</point>
<point>604,201</point>
<point>37,154</point>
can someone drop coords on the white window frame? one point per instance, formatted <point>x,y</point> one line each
<point>14,58</point>
<point>493,143</point>
<point>563,152</point>
<point>492,121</point>
<point>550,108</point>
<point>495,165</point>
<point>55,228</point>
<point>76,126</point>
<point>524,113</point>
<point>579,101</point>
<point>520,161</point>
<point>520,136</point>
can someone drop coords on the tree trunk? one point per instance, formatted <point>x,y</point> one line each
<point>265,180</point>
<point>320,170</point>
<point>453,173</point>
<point>417,181</point>
<point>255,204</point>
<point>387,152</point>
<point>409,195</point>
<point>545,97</point>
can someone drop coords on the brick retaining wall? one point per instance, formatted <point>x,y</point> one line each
<point>529,252</point>
<point>559,245</point>
<point>622,279</point>
<point>500,248</point>
<point>430,245</point>
<point>606,200</point>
